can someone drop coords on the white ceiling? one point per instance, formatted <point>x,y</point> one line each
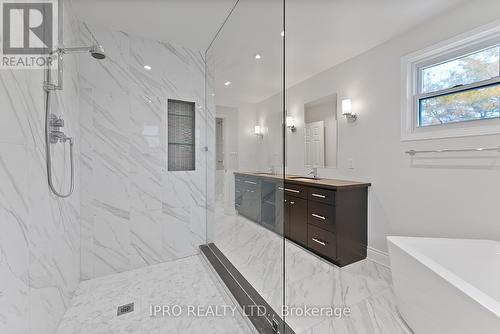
<point>190,23</point>
<point>320,34</point>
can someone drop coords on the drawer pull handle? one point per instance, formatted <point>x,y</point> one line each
<point>318,216</point>
<point>319,241</point>
<point>318,195</point>
<point>289,190</point>
<point>250,182</point>
<point>292,203</point>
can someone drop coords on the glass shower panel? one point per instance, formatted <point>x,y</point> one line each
<point>245,65</point>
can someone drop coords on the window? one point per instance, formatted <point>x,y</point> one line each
<point>462,89</point>
<point>453,89</point>
<point>181,136</point>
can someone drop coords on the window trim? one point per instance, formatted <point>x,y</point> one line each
<point>411,66</point>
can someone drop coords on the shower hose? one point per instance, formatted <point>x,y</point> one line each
<point>62,139</point>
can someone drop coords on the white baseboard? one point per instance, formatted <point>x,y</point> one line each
<point>378,256</point>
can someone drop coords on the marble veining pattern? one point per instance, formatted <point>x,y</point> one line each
<point>134,212</point>
<point>39,233</point>
<point>182,282</point>
<point>365,287</point>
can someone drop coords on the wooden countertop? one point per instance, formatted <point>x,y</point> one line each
<point>321,182</point>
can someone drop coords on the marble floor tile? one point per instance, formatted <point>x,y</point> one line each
<point>365,287</point>
<point>374,315</point>
<point>182,282</point>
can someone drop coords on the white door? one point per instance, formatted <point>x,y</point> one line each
<point>315,144</point>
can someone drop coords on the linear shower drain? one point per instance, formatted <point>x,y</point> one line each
<point>125,309</point>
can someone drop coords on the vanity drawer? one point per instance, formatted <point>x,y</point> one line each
<point>251,183</point>
<point>321,215</point>
<point>295,190</point>
<point>322,242</point>
<point>322,195</point>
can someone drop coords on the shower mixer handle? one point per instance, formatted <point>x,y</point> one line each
<point>56,122</point>
<point>58,136</point>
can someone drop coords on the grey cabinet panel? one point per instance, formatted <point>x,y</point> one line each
<point>248,197</point>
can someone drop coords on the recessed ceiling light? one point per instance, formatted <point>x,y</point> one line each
<point>227,83</point>
<point>258,56</point>
<point>282,33</point>
<point>147,67</point>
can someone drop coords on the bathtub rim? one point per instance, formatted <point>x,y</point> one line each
<point>468,289</point>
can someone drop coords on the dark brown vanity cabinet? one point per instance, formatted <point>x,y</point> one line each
<point>322,242</point>
<point>327,217</point>
<point>295,214</point>
<point>330,223</point>
<point>321,223</point>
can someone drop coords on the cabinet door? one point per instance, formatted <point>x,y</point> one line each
<point>298,219</point>
<point>286,216</point>
<point>251,199</point>
<point>239,190</point>
<point>281,212</point>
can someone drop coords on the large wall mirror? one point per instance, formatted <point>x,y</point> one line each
<point>320,133</point>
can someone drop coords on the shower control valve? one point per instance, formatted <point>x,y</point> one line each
<point>57,136</point>
<point>55,122</point>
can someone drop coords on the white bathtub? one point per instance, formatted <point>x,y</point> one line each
<point>447,285</point>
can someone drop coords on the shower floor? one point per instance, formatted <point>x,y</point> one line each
<point>184,282</point>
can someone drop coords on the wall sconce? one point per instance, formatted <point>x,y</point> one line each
<point>290,123</point>
<point>347,110</point>
<point>258,131</point>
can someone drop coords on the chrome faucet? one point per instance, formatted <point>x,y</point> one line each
<point>314,172</point>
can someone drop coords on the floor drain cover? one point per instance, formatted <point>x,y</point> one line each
<point>125,309</point>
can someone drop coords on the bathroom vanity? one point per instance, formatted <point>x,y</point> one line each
<point>328,217</point>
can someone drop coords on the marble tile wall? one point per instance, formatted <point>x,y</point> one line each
<point>134,212</point>
<point>39,233</point>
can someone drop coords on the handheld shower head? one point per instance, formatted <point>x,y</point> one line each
<point>52,133</point>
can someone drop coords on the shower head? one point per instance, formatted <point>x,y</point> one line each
<point>96,51</point>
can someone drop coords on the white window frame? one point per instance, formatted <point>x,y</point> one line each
<point>411,66</point>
